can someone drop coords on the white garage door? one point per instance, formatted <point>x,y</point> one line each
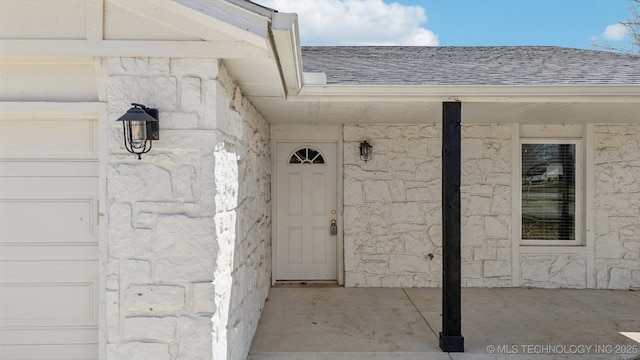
<point>48,237</point>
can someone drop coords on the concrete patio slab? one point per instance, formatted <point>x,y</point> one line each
<point>392,323</point>
<point>342,320</point>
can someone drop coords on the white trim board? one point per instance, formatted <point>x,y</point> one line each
<point>133,48</point>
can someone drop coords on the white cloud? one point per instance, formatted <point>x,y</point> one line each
<point>357,22</point>
<point>615,32</point>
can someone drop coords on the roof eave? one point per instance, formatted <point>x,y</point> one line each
<point>249,26</point>
<point>470,93</point>
<point>284,28</point>
<point>253,7</point>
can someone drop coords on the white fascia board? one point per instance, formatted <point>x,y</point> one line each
<point>287,45</point>
<point>132,48</point>
<point>594,93</point>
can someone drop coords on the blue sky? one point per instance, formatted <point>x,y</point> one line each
<point>567,23</point>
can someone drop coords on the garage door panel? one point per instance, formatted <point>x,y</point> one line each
<point>47,184</point>
<point>47,220</point>
<point>48,168</point>
<point>63,301</point>
<point>49,336</point>
<point>47,137</point>
<point>29,268</point>
<point>50,352</point>
<point>53,252</point>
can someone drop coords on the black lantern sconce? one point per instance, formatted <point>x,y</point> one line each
<point>140,127</point>
<point>366,151</point>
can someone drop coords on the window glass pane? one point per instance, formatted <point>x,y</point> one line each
<point>306,156</point>
<point>295,159</point>
<point>311,153</point>
<point>548,191</point>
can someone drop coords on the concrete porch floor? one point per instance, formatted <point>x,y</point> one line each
<point>392,323</point>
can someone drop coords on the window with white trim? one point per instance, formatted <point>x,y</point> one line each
<point>551,196</point>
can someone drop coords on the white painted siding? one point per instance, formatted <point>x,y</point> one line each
<point>47,79</point>
<point>43,19</point>
<point>123,24</point>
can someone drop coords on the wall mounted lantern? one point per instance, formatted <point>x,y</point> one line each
<point>366,151</point>
<point>140,127</point>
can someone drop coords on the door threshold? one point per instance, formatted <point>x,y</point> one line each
<point>306,284</point>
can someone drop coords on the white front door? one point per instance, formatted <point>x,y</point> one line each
<point>306,249</point>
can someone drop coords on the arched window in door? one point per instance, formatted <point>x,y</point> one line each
<point>306,155</point>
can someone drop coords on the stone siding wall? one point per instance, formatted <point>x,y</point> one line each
<point>552,270</point>
<point>243,221</point>
<point>393,219</point>
<point>617,206</point>
<point>393,211</point>
<point>392,206</point>
<point>188,260</point>
<point>485,193</point>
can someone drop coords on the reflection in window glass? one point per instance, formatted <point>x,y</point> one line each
<point>548,191</point>
<point>306,156</point>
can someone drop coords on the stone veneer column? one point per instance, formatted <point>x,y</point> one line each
<point>188,234</point>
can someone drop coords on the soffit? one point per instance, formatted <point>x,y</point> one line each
<point>536,85</point>
<point>416,112</point>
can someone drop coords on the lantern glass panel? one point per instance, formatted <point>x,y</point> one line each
<point>138,132</point>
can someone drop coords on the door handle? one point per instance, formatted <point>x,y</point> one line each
<point>333,228</point>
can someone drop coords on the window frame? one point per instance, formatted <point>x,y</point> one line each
<point>578,191</point>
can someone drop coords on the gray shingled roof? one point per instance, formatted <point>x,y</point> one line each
<point>521,65</point>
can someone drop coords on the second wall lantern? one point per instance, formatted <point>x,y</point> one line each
<point>140,127</point>
<point>366,151</point>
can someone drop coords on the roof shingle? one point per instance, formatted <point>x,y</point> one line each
<point>460,66</point>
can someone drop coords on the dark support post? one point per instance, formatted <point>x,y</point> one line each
<point>451,339</point>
